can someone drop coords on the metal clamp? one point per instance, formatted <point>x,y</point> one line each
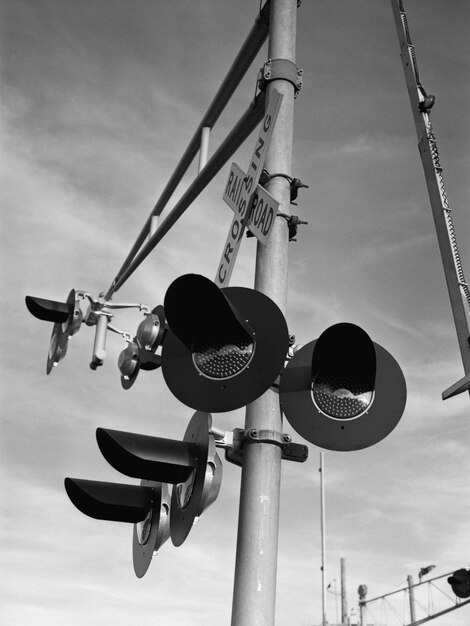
<point>267,436</point>
<point>275,69</point>
<point>234,443</point>
<point>293,223</point>
<point>294,183</point>
<point>124,333</point>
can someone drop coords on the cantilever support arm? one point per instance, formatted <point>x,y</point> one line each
<point>236,137</point>
<point>248,51</point>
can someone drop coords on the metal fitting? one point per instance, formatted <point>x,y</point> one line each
<point>293,223</point>
<point>234,446</point>
<point>281,69</point>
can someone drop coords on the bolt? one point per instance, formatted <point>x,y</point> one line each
<point>253,433</point>
<point>287,438</point>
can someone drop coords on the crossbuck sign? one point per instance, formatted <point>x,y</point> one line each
<point>263,209</point>
<point>252,205</point>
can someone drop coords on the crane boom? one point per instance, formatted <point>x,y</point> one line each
<point>421,104</point>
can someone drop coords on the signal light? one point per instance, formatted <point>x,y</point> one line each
<point>66,317</point>
<point>460,583</point>
<point>191,465</point>
<point>224,347</point>
<point>140,353</point>
<point>147,507</point>
<point>343,391</point>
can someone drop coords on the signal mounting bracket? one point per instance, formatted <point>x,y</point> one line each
<point>234,442</point>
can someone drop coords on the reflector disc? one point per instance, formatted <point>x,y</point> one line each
<point>57,347</point>
<point>150,534</point>
<point>189,500</point>
<point>62,331</point>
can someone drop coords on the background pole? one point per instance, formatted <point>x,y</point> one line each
<point>411,593</point>
<point>254,593</point>
<point>324,621</point>
<point>344,599</point>
<point>362,590</point>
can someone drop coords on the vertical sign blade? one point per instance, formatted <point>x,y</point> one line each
<point>255,167</point>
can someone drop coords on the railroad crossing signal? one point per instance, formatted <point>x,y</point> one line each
<point>66,317</point>
<point>460,583</point>
<point>343,391</point>
<point>224,347</point>
<point>247,192</point>
<point>191,465</point>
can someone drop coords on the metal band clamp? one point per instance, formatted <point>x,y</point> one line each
<point>234,443</point>
<point>275,69</point>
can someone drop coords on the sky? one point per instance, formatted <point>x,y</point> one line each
<point>99,99</point>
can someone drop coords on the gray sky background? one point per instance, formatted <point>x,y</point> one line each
<point>99,100</point>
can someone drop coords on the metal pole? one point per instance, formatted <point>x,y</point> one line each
<point>153,225</point>
<point>335,592</point>
<point>344,600</point>
<point>362,590</point>
<point>411,592</point>
<point>254,593</point>
<point>99,346</point>
<point>322,529</point>
<point>362,614</point>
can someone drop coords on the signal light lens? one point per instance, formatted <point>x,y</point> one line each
<point>152,532</point>
<point>222,357</point>
<point>57,347</point>
<point>184,491</point>
<point>341,397</point>
<point>144,528</point>
<point>191,497</point>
